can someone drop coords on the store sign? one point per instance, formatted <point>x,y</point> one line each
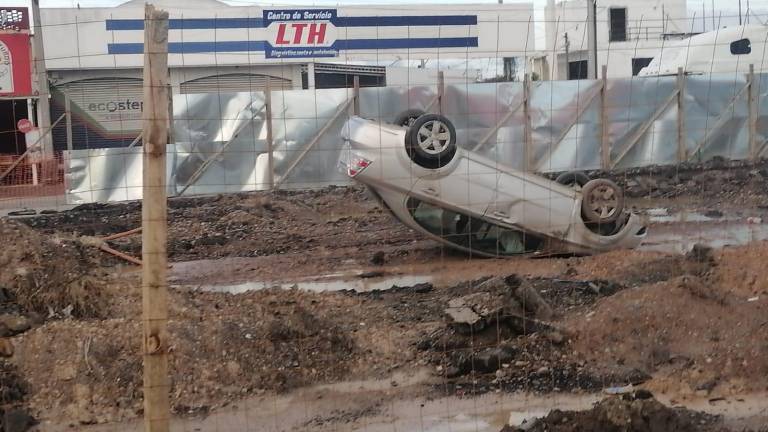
<point>298,33</point>
<point>15,65</point>
<point>14,18</point>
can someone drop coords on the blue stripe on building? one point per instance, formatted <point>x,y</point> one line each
<point>354,21</point>
<point>362,44</point>
<point>191,47</point>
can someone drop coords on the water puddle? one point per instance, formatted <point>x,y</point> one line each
<point>678,232</point>
<point>358,284</point>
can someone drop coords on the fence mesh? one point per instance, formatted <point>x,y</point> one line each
<point>422,218</point>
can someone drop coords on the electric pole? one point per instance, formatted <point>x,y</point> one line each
<point>592,39</point>
<point>43,104</point>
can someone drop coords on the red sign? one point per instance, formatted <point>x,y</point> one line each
<point>15,65</point>
<point>294,33</point>
<point>24,125</point>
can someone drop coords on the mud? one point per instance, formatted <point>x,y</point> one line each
<point>277,293</point>
<point>636,412</point>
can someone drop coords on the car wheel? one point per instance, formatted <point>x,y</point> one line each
<point>407,117</point>
<point>431,141</point>
<point>602,201</point>
<point>574,179</point>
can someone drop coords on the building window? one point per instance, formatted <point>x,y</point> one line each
<point>618,24</point>
<point>640,63</point>
<point>742,46</point>
<point>577,70</point>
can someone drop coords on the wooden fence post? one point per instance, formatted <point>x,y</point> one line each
<point>753,93</point>
<point>440,91</point>
<point>270,141</point>
<point>154,223</point>
<point>528,128</point>
<point>68,120</point>
<point>605,142</point>
<point>682,147</point>
<point>356,95</point>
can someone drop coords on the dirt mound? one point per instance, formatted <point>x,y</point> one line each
<point>624,414</point>
<point>699,332</point>
<point>223,348</point>
<point>46,274</point>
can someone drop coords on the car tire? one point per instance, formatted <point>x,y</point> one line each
<point>602,201</point>
<point>573,179</point>
<point>407,117</point>
<point>427,148</point>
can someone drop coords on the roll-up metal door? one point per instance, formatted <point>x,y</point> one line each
<point>106,112</point>
<point>234,83</point>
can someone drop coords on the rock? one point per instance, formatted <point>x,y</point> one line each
<point>463,318</point>
<point>17,420</point>
<point>6,347</point>
<point>11,325</point>
<point>378,258</point>
<point>533,302</point>
<point>490,359</point>
<point>714,214</point>
<point>700,253</point>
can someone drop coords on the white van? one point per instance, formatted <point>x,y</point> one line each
<point>727,50</point>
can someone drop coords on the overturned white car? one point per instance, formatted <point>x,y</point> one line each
<point>473,203</point>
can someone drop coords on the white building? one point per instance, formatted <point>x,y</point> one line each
<point>95,55</point>
<point>629,34</point>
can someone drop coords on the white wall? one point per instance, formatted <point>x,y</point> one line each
<point>79,39</point>
<point>645,19</point>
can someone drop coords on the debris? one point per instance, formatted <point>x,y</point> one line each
<point>6,347</point>
<point>533,302</point>
<point>754,220</point>
<point>11,325</point>
<point>619,390</point>
<point>628,413</point>
<point>378,258</point>
<point>753,299</point>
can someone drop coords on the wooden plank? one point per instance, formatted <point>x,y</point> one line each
<point>270,138</point>
<point>440,91</point>
<point>753,92</point>
<point>605,138</point>
<point>30,148</point>
<point>682,148</point>
<point>342,109</point>
<point>644,128</point>
<point>356,95</point>
<point>68,112</point>
<point>154,286</point>
<point>528,139</point>
<point>505,118</point>
<point>579,112</point>
<point>721,120</point>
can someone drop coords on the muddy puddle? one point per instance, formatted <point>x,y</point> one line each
<point>678,232</point>
<point>329,283</point>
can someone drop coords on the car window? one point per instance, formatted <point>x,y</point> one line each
<point>741,46</point>
<point>471,232</point>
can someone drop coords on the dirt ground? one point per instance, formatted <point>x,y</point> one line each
<point>685,326</point>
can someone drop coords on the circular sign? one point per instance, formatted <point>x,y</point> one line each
<point>24,125</point>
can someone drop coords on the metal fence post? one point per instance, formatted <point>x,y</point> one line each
<point>154,223</point>
<point>605,143</point>
<point>682,148</point>
<point>753,151</point>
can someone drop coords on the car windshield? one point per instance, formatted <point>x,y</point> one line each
<point>470,232</point>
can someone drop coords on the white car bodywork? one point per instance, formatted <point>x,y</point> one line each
<point>727,50</point>
<point>504,211</point>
